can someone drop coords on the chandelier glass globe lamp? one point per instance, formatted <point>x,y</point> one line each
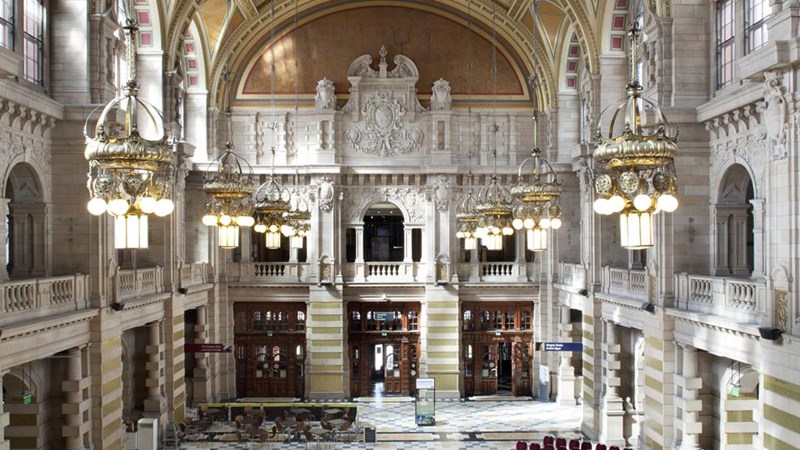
<point>635,169</point>
<point>272,203</point>
<point>229,186</point>
<point>130,175</point>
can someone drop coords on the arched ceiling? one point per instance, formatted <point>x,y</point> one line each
<point>247,30</point>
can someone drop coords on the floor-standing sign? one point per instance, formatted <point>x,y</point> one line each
<point>425,404</point>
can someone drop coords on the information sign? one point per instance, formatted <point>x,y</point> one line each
<point>207,348</point>
<point>563,347</point>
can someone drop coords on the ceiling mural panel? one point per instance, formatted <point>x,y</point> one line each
<point>436,44</point>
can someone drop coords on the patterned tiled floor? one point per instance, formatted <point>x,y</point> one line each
<point>459,426</point>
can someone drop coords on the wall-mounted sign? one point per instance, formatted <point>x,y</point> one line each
<point>563,347</point>
<point>207,348</point>
<point>383,315</point>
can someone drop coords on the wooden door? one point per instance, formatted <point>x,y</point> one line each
<point>469,362</point>
<point>521,368</point>
<point>488,374</point>
<point>359,370</point>
<point>392,373</point>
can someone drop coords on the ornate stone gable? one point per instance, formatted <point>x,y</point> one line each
<point>740,136</point>
<point>412,200</point>
<point>383,107</point>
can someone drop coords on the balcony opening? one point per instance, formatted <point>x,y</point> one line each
<point>26,224</point>
<point>735,224</point>
<point>384,233</point>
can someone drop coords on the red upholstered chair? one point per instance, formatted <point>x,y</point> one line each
<point>561,442</point>
<point>613,447</point>
<point>600,447</point>
<point>586,445</point>
<point>521,445</point>
<point>574,444</point>
<point>549,447</point>
<point>535,446</point>
<point>548,440</point>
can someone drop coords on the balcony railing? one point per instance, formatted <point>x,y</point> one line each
<point>498,272</point>
<point>136,283</point>
<point>40,297</point>
<point>572,275</point>
<point>385,271</point>
<point>269,272</point>
<point>740,300</point>
<point>629,283</point>
<point>194,274</point>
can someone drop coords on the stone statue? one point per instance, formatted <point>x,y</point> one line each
<point>326,194</point>
<point>440,95</point>
<point>326,99</point>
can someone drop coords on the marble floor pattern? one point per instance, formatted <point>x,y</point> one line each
<point>460,425</point>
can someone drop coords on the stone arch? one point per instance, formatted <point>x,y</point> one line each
<point>372,202</point>
<point>23,184</point>
<point>194,59</point>
<point>519,39</point>
<point>734,222</point>
<point>27,241</point>
<point>19,381</point>
<point>569,67</point>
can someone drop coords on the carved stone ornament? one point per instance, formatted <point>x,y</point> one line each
<point>411,200</point>
<point>441,193</point>
<point>383,133</point>
<point>325,99</point>
<point>775,115</point>
<point>326,194</point>
<point>440,95</point>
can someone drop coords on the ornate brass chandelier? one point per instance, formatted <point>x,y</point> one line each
<point>229,185</point>
<point>635,171</point>
<point>273,202</point>
<point>130,176</point>
<point>537,209</point>
<point>467,217</point>
<point>494,202</point>
<point>297,221</point>
<point>495,205</point>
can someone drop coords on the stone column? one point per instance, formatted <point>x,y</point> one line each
<point>195,129</point>
<point>5,418</point>
<point>612,407</point>
<point>689,400</point>
<point>4,236</point>
<point>40,265</point>
<point>566,372</point>
<point>201,375</point>
<point>154,404</point>
<point>759,246</point>
<point>407,243</point>
<point>73,385</point>
<point>359,262</point>
<point>245,243</point>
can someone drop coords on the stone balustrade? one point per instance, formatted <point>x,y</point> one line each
<point>23,300</point>
<point>270,272</point>
<point>628,283</point>
<point>194,274</point>
<point>572,275</point>
<point>498,272</point>
<point>136,283</point>
<point>741,300</point>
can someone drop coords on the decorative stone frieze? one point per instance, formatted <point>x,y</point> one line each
<point>411,200</point>
<point>384,131</point>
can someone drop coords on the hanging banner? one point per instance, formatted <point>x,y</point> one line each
<point>207,348</point>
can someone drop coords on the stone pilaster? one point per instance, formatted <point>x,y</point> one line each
<point>612,407</point>
<point>105,366</point>
<point>759,238</point>
<point>360,266</point>
<point>175,358</point>
<point>688,384</point>
<point>5,419</point>
<point>155,404</point>
<point>201,376</point>
<point>566,372</point>
<point>4,236</point>
<point>326,348</point>
<point>74,407</point>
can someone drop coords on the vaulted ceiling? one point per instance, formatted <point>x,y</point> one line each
<point>247,29</point>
